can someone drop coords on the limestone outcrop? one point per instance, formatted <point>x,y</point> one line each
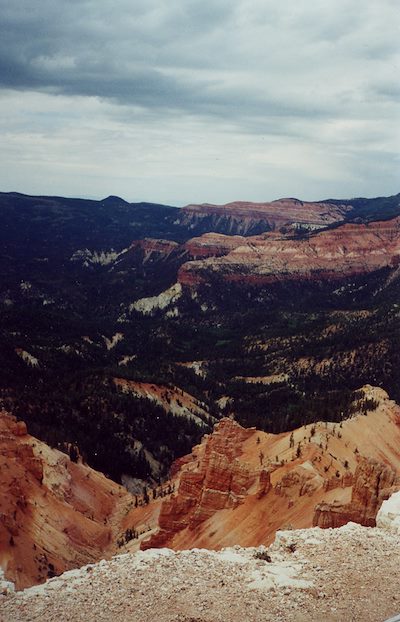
<point>388,516</point>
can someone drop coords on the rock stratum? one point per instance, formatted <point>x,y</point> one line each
<point>277,256</point>
<point>345,251</point>
<point>245,217</point>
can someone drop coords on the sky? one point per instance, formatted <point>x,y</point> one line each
<point>190,101</point>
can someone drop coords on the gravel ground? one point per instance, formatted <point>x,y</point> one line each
<point>351,574</point>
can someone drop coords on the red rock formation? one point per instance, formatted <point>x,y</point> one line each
<point>150,252</point>
<point>282,217</point>
<point>153,249</point>
<point>265,484</point>
<point>215,481</point>
<point>333,254</point>
<point>239,486</point>
<point>212,245</point>
<point>54,514</point>
<point>373,483</point>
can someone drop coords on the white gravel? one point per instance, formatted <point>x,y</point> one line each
<point>349,574</point>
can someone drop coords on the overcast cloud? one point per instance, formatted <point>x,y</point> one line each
<point>189,101</point>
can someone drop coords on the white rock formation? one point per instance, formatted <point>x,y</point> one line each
<point>389,514</point>
<point>148,305</point>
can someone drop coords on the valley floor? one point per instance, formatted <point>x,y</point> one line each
<point>351,574</point>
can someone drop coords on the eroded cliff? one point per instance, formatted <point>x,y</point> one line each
<point>345,251</point>
<point>54,514</point>
<point>239,486</point>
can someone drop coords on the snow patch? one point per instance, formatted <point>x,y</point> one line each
<point>277,574</point>
<point>280,574</point>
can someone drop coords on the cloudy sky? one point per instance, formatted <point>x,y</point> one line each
<point>182,101</point>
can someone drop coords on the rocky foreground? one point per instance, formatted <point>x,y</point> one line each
<point>348,574</point>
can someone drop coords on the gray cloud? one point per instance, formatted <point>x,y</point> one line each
<point>317,75</point>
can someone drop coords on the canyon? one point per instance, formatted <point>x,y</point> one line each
<point>130,335</point>
<point>199,298</point>
<point>238,487</point>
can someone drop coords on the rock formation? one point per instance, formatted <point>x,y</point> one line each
<point>239,486</point>
<point>215,482</point>
<point>151,252</point>
<point>244,217</point>
<point>388,516</point>
<point>374,482</point>
<point>347,250</point>
<point>54,514</point>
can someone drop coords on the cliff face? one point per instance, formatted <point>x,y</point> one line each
<point>374,482</point>
<point>345,251</point>
<point>212,245</point>
<point>158,256</point>
<point>54,514</point>
<point>211,481</point>
<point>246,218</point>
<point>240,486</point>
<point>152,250</point>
